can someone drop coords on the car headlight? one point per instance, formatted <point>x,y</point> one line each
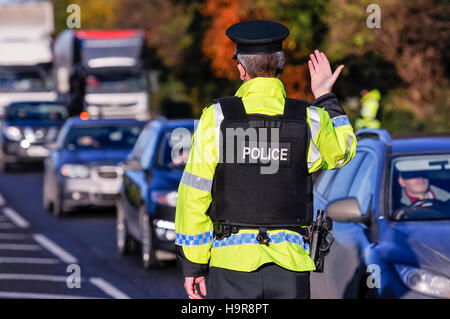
<point>168,198</point>
<point>75,171</point>
<point>424,281</point>
<point>13,133</point>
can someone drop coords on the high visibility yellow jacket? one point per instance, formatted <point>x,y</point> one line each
<point>369,110</point>
<point>332,145</point>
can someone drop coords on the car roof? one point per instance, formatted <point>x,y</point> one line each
<point>102,121</point>
<point>35,102</point>
<point>421,145</point>
<point>179,123</point>
<point>172,124</point>
<point>412,143</point>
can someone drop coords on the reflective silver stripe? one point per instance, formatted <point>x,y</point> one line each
<point>218,118</point>
<point>315,128</point>
<point>315,122</point>
<point>314,155</point>
<point>196,182</point>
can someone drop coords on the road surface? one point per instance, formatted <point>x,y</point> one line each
<point>72,257</point>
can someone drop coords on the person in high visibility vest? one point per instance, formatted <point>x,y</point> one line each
<point>370,104</point>
<point>245,197</point>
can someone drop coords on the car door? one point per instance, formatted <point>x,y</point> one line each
<point>134,178</point>
<point>343,264</point>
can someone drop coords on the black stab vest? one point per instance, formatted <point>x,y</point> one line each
<point>241,194</point>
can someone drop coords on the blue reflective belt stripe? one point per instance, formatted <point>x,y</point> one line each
<point>193,240</point>
<point>340,121</point>
<point>250,238</point>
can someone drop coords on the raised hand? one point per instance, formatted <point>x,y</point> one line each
<point>322,80</point>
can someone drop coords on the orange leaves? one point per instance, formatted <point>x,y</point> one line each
<point>296,82</point>
<point>216,46</point>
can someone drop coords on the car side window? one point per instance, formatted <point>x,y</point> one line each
<point>149,147</point>
<point>343,179</point>
<point>142,141</point>
<point>364,181</point>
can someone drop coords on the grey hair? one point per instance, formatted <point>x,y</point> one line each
<point>263,65</point>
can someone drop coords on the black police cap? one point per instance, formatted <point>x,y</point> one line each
<point>257,36</point>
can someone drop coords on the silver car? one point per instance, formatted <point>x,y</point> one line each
<point>83,168</point>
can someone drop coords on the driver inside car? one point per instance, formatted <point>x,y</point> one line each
<point>415,187</point>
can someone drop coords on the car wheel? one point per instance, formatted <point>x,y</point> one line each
<point>148,256</point>
<point>125,244</point>
<point>4,167</point>
<point>48,205</point>
<point>58,208</point>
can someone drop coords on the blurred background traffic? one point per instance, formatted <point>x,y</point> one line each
<point>91,92</point>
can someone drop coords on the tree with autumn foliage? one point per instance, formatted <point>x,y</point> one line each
<point>406,59</point>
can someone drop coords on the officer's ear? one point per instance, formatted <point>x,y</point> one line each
<point>402,183</point>
<point>242,72</point>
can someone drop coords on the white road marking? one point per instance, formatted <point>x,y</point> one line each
<point>18,220</point>
<point>28,247</point>
<point>7,225</point>
<point>34,277</point>
<point>13,236</point>
<point>55,249</point>
<point>28,260</point>
<point>108,289</point>
<point>28,295</point>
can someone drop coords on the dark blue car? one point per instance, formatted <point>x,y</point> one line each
<point>146,209</point>
<point>391,212</point>
<point>27,128</point>
<point>84,167</point>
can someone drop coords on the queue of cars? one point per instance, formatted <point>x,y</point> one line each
<point>126,163</point>
<point>387,244</point>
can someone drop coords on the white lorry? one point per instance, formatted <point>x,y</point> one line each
<point>102,73</point>
<point>26,29</point>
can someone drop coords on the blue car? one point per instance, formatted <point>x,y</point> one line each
<point>84,166</point>
<point>27,129</point>
<point>391,211</point>
<point>148,196</point>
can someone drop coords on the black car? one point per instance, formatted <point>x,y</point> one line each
<point>148,195</point>
<point>27,129</point>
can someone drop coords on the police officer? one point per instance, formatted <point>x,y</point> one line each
<point>370,105</point>
<point>244,202</point>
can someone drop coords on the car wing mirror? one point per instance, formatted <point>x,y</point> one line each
<point>133,165</point>
<point>347,210</point>
<point>52,146</point>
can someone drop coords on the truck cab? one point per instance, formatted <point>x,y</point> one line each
<point>103,73</point>
<point>26,30</point>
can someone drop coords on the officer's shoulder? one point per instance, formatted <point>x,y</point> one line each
<point>208,112</point>
<point>301,102</point>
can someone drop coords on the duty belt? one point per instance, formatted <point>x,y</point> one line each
<point>223,229</point>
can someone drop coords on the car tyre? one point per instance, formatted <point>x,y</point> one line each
<point>125,243</point>
<point>4,166</point>
<point>148,256</point>
<point>58,208</point>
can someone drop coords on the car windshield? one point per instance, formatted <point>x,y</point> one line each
<point>15,81</point>
<point>115,82</point>
<point>420,187</point>
<point>101,137</point>
<point>174,149</point>
<point>34,111</point>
